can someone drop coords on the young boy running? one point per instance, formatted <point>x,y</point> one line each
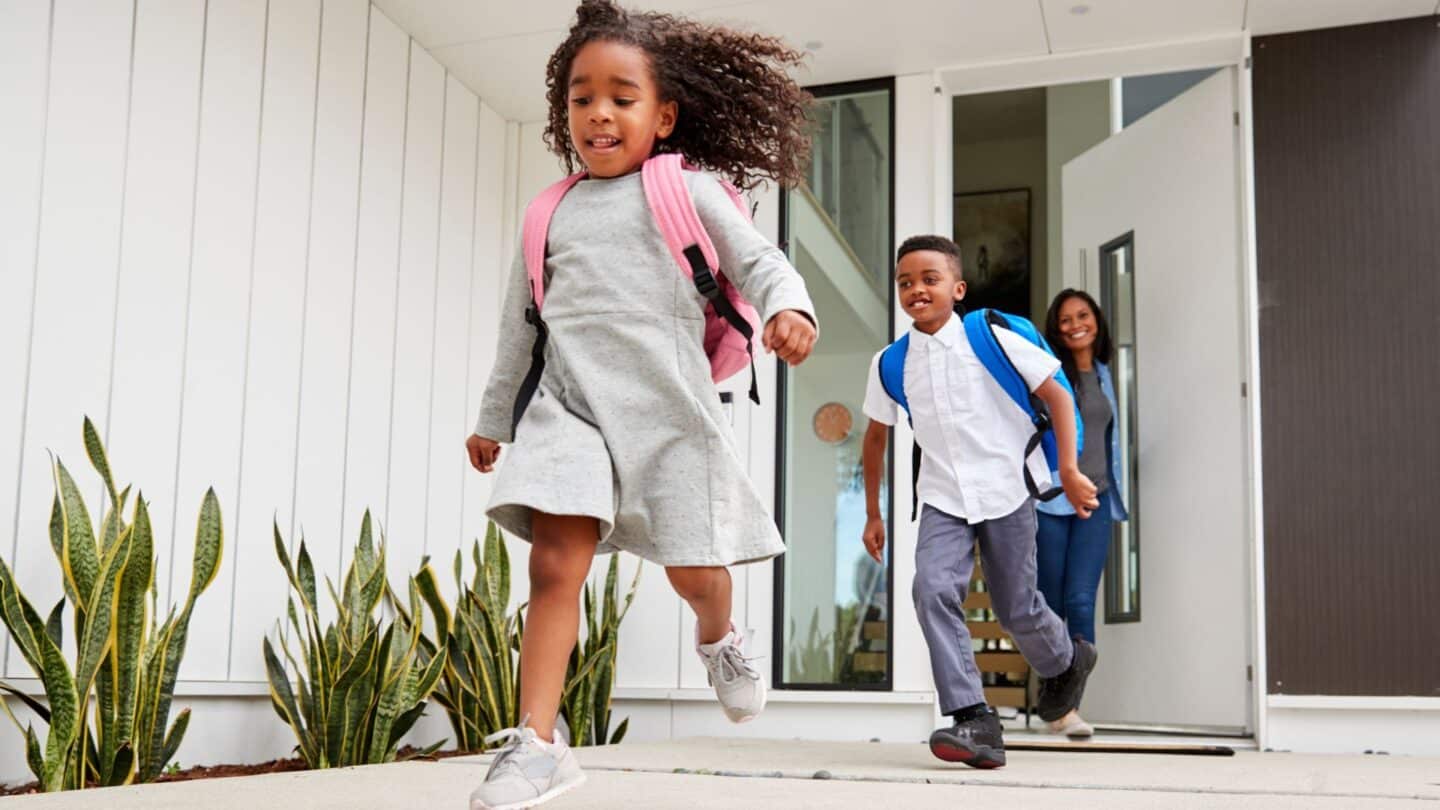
<point>973,438</point>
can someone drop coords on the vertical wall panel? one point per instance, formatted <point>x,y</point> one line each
<point>144,430</point>
<point>264,256</point>
<point>329,294</point>
<point>277,300</point>
<point>488,267</point>
<point>448,420</point>
<point>24,64</point>
<point>415,316</point>
<point>655,637</point>
<point>376,269</point>
<point>1347,196</point>
<point>74,293</point>
<point>215,343</point>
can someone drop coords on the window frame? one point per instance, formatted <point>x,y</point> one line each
<point>777,679</point>
<point>1132,474</point>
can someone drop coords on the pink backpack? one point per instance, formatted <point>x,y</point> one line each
<point>731,323</point>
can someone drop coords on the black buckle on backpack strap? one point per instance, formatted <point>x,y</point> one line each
<point>531,383</point>
<point>704,279</point>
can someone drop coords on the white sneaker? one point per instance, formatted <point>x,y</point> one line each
<point>738,684</point>
<point>526,772</point>
<point>1072,726</point>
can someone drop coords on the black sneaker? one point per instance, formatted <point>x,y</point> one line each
<point>977,742</point>
<point>1061,694</point>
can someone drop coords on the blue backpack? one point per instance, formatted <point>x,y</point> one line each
<point>979,330</point>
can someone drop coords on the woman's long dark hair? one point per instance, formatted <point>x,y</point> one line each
<point>1102,348</point>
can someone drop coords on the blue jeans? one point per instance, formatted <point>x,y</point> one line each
<point>1071,557</point>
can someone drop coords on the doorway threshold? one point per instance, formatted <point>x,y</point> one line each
<point>1128,739</point>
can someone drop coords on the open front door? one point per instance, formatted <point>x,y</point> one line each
<point>1152,230</point>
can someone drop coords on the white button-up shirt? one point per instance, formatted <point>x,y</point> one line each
<point>971,433</point>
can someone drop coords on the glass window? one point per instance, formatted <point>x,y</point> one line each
<point>833,602</point>
<point>1117,291</point>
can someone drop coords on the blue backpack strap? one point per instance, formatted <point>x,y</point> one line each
<point>892,371</point>
<point>979,330</point>
<point>892,379</point>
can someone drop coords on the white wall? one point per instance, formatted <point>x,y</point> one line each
<point>1077,116</point>
<point>261,250</point>
<point>1006,164</point>
<point>1353,725</point>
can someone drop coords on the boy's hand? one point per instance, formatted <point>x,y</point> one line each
<point>874,538</point>
<point>1081,492</point>
<point>790,335</point>
<point>483,453</point>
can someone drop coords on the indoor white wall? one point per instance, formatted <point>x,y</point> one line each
<point>1007,164</point>
<point>259,244</point>
<point>1077,116</point>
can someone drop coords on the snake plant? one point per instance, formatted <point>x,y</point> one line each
<point>480,689</point>
<point>360,683</point>
<point>590,679</point>
<point>107,714</point>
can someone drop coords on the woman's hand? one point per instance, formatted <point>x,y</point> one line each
<point>790,335</point>
<point>483,452</point>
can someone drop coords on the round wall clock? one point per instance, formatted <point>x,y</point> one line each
<point>833,422</point>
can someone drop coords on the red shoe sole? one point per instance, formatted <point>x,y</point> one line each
<point>986,759</point>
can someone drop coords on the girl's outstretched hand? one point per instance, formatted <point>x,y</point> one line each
<point>790,336</point>
<point>483,452</point>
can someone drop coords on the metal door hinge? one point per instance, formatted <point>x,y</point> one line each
<point>1244,390</point>
<point>1250,673</point>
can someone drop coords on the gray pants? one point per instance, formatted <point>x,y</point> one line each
<point>944,561</point>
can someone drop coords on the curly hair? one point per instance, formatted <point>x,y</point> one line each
<point>741,116</point>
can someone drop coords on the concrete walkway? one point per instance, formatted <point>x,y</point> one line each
<point>734,774</point>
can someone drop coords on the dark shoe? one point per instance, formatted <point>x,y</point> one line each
<point>1061,694</point>
<point>976,742</point>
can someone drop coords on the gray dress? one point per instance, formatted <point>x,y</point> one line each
<point>626,426</point>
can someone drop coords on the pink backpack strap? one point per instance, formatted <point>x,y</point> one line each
<point>537,229</point>
<point>731,323</point>
<point>664,179</point>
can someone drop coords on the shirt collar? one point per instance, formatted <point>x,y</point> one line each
<point>947,334</point>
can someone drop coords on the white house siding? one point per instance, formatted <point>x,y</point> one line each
<point>259,244</point>
<point>291,225</point>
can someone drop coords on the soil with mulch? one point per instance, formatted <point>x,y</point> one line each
<point>222,771</point>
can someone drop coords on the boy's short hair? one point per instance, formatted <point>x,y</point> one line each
<point>939,244</point>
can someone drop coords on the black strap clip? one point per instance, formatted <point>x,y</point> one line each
<point>704,279</point>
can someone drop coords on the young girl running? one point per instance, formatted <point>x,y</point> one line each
<point>624,444</point>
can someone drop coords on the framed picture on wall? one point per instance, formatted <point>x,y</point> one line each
<point>993,231</point>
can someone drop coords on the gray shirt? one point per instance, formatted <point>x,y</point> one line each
<point>626,426</point>
<point>604,259</point>
<point>1096,414</point>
